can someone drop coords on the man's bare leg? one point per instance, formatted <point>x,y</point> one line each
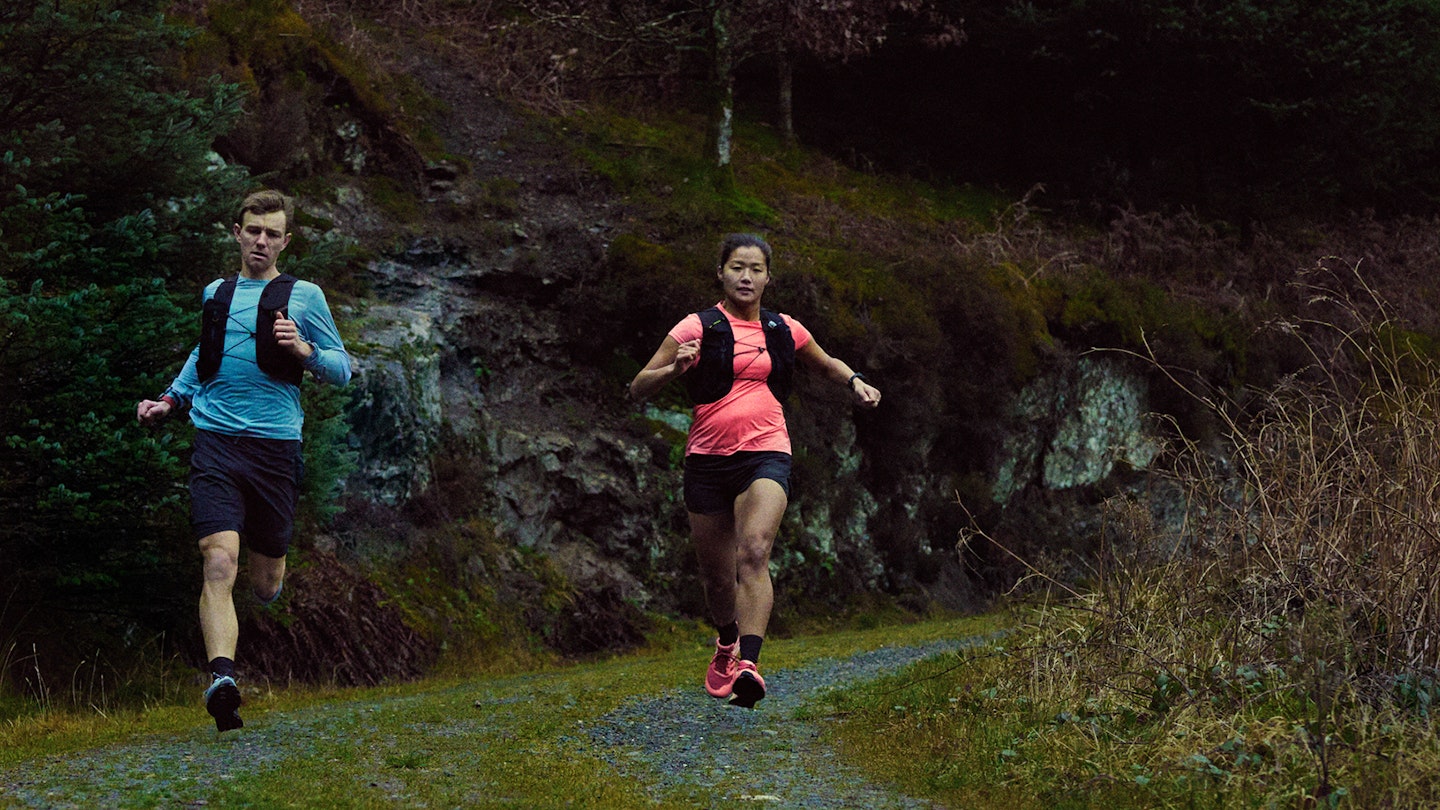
<point>220,560</point>
<point>220,553</point>
<point>267,575</point>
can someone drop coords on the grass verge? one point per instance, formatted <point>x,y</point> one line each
<point>1277,647</point>
<point>515,740</point>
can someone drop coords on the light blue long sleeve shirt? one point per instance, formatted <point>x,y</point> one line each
<point>242,400</point>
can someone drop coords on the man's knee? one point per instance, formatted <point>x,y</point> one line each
<point>267,592</point>
<point>220,567</point>
<point>266,578</point>
<point>220,556</point>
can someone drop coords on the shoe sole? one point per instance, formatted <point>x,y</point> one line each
<point>747,692</point>
<point>223,705</point>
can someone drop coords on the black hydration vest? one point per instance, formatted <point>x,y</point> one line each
<point>273,360</point>
<point>713,376</point>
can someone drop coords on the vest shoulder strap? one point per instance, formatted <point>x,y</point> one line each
<point>271,358</point>
<point>225,293</point>
<point>212,329</point>
<point>781,344</point>
<point>772,320</point>
<point>276,295</point>
<point>714,319</point>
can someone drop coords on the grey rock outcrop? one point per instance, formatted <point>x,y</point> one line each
<point>1073,425</point>
<point>465,350</point>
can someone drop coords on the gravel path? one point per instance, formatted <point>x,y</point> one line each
<point>766,756</point>
<point>176,771</point>
<point>679,740</point>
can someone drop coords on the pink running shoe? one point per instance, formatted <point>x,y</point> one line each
<point>748,688</point>
<point>720,677</point>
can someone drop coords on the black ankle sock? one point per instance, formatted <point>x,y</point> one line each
<point>729,633</point>
<point>222,666</point>
<point>750,648</point>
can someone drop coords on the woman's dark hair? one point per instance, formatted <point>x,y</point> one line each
<point>734,241</point>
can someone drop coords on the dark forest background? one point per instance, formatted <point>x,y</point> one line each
<point>1254,136</point>
<point>1236,109</point>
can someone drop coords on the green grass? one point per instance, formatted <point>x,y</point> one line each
<point>1281,656</point>
<point>658,164</point>
<point>399,740</point>
<point>1009,727</point>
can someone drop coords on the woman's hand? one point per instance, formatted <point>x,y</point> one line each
<point>687,354</point>
<point>868,394</point>
<point>670,361</point>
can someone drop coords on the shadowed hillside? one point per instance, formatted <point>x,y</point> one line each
<point>509,223</point>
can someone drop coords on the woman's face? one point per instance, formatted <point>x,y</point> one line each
<point>744,275</point>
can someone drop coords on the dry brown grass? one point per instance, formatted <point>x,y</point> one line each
<point>1281,644</point>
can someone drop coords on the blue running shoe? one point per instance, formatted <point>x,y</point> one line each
<point>222,701</point>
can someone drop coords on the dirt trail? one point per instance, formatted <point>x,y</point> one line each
<point>688,739</point>
<point>679,740</point>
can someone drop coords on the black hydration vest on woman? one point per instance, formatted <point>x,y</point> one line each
<point>273,360</point>
<point>714,375</point>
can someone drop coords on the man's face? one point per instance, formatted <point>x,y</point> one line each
<point>261,238</point>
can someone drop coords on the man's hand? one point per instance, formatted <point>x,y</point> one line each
<point>287,334</point>
<point>150,411</point>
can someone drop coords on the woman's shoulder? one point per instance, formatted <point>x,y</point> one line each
<point>790,320</point>
<point>798,332</point>
<point>688,328</point>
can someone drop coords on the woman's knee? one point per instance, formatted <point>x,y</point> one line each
<point>752,558</point>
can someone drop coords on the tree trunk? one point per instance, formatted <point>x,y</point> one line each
<point>722,87</point>
<point>787,97</point>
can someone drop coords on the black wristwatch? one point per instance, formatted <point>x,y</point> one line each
<point>850,383</point>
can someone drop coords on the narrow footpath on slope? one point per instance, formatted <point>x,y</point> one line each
<point>686,738</point>
<point>680,746</point>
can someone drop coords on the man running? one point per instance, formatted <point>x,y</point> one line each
<point>260,332</point>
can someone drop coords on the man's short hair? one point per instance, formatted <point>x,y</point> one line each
<point>268,201</point>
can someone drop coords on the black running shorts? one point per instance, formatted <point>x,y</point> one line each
<point>248,485</point>
<point>712,483</point>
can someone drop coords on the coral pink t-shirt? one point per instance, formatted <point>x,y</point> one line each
<point>749,417</point>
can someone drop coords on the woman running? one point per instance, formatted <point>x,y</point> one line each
<point>737,360</point>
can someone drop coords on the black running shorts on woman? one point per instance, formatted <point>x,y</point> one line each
<point>712,483</point>
<point>248,485</point>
